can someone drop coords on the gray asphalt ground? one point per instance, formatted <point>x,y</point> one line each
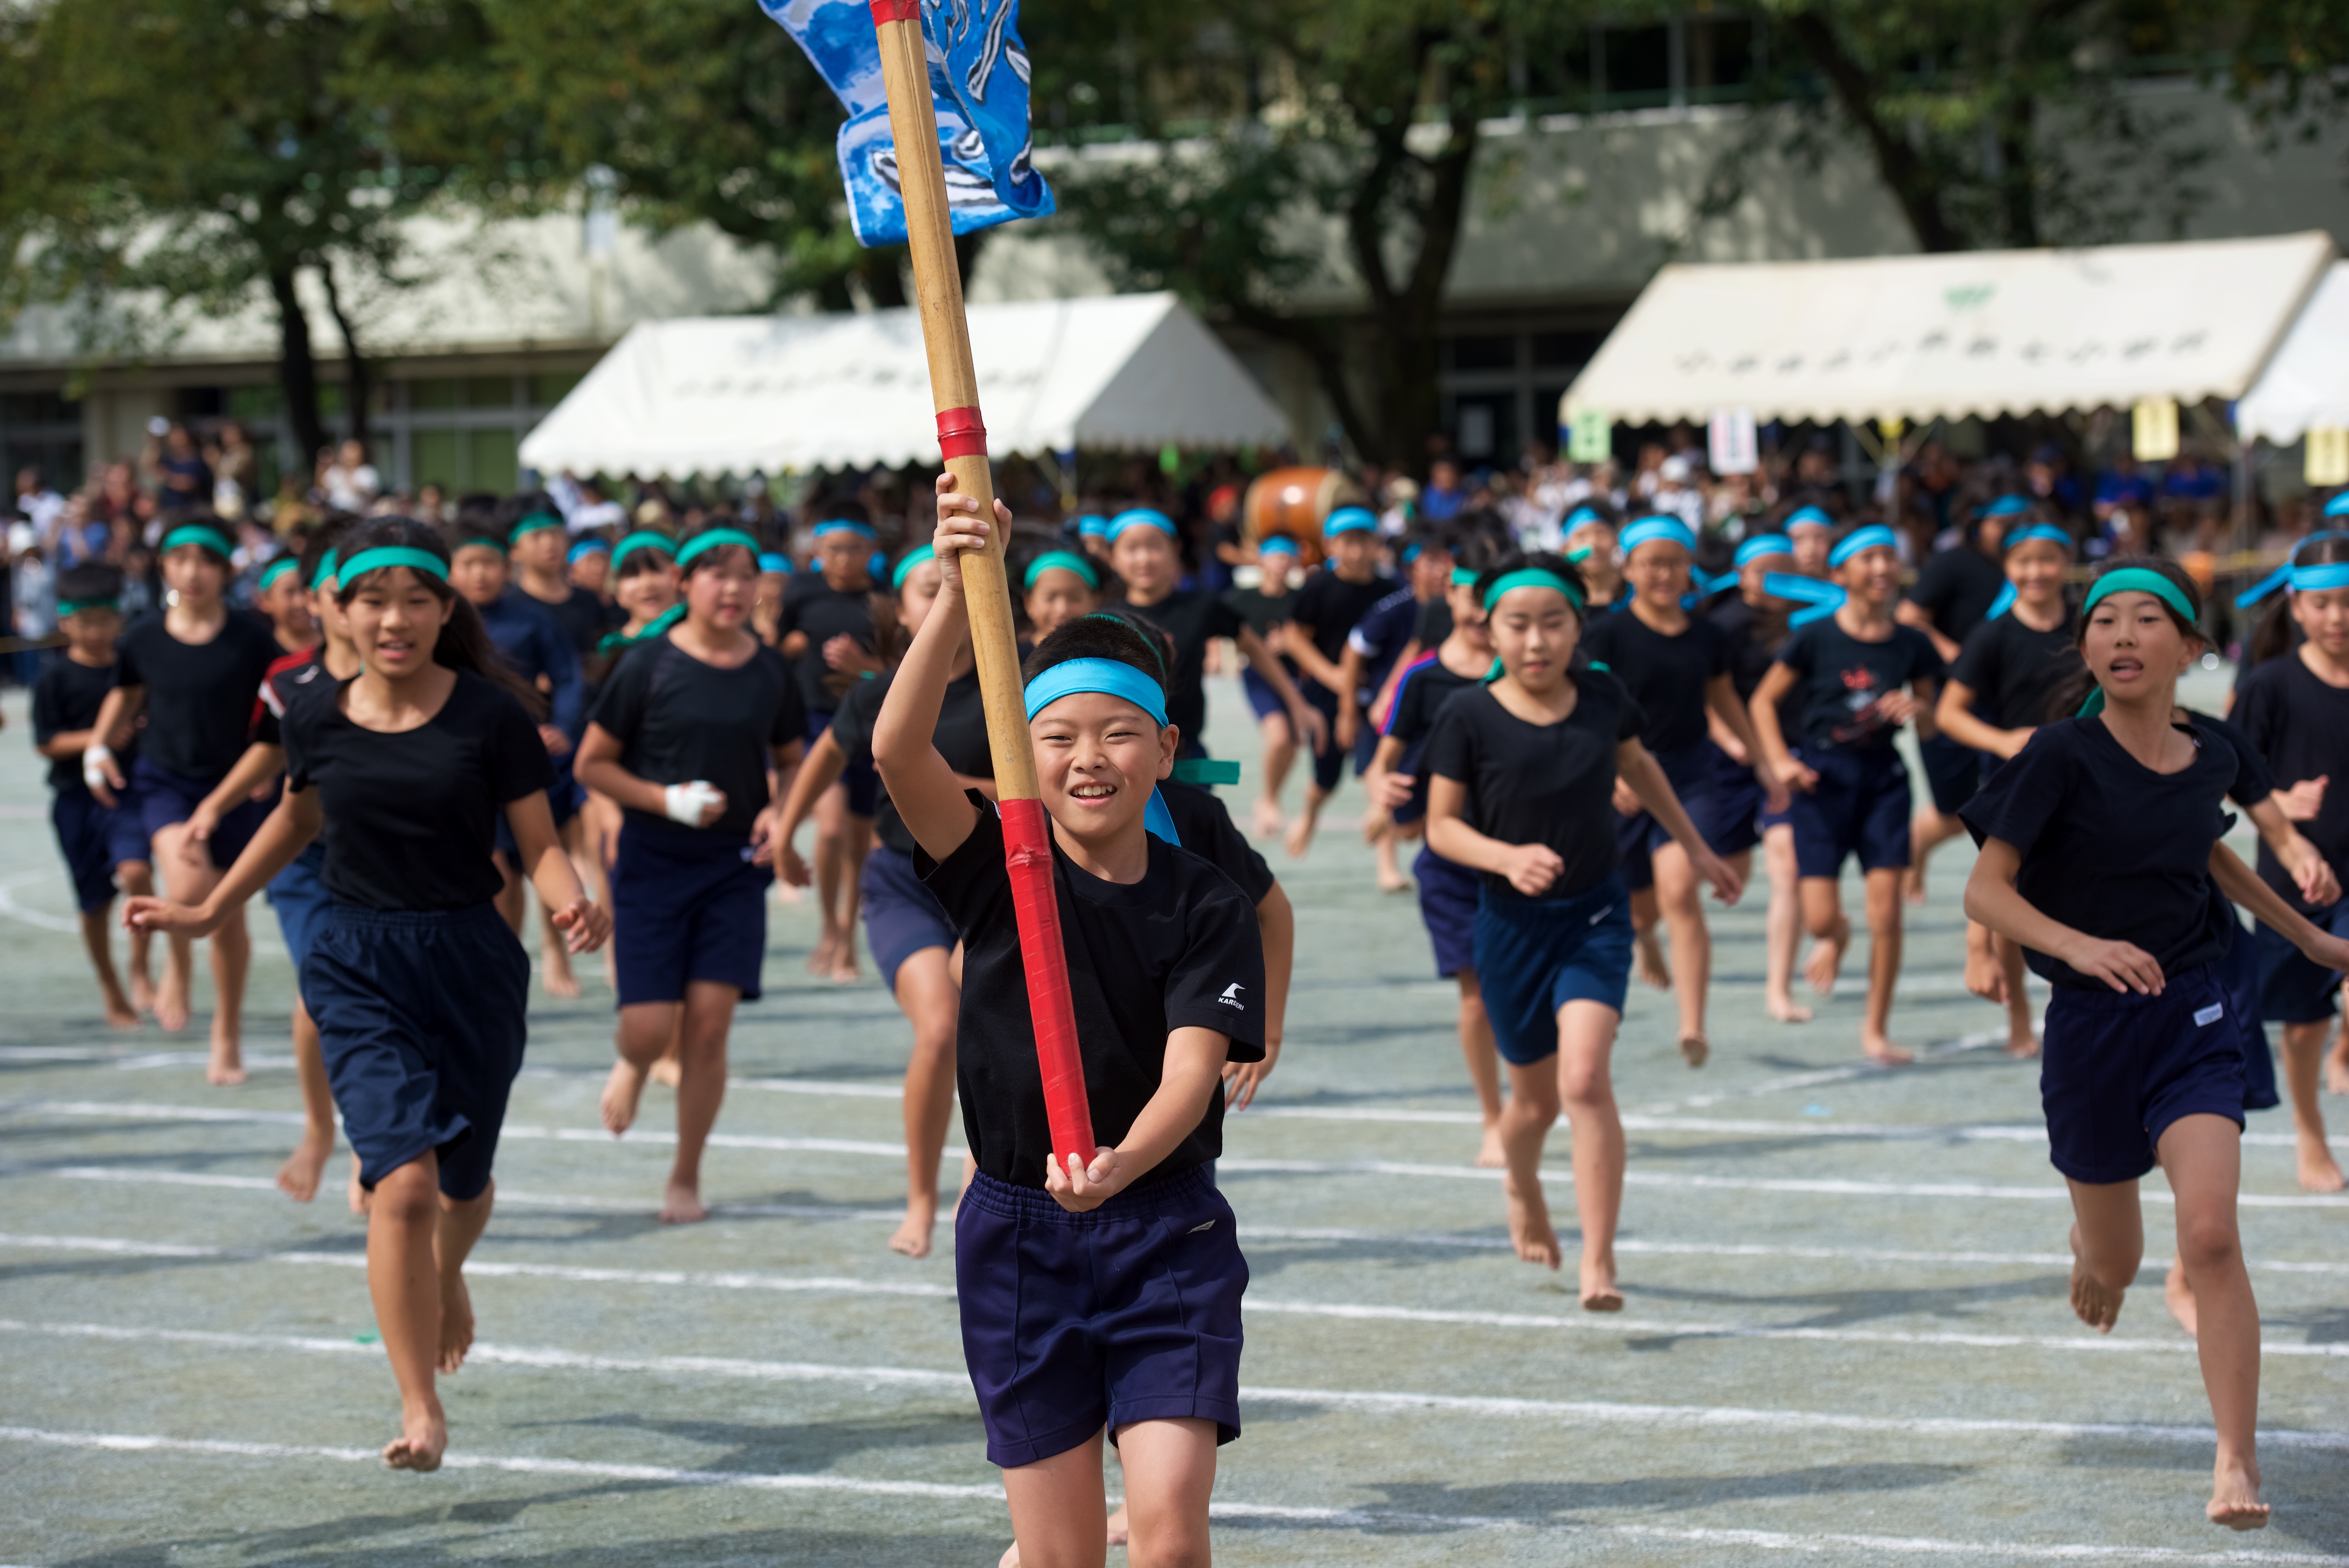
<point>1847,1340</point>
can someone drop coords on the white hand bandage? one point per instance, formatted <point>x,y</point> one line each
<point>685,802</point>
<point>93,767</point>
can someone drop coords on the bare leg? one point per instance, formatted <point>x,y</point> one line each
<point>461,1223</point>
<point>931,1002</point>
<point>2303,1052</point>
<point>2336,1060</point>
<point>1823,917</point>
<point>2107,1249</point>
<point>299,1177</point>
<point>1526,1121</point>
<point>1883,967</point>
<point>668,1071</point>
<point>831,857</point>
<point>404,1279</point>
<point>598,828</point>
<point>175,999</point>
<point>857,843</point>
<point>1680,897</point>
<point>555,971</point>
<point>1170,1469</point>
<point>1782,926</point>
<point>1484,1067</point>
<point>1060,1515</point>
<point>2022,1024</point>
<point>1585,1037</point>
<point>700,1090</point>
<point>1649,953</point>
<point>97,941</point>
<point>2202,1157</point>
<point>645,1031</point>
<point>1390,873</point>
<point>136,879</point>
<point>1928,830</point>
<point>231,947</point>
<point>1301,831</point>
<point>1279,756</point>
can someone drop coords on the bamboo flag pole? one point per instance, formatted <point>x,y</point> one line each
<point>962,438</point>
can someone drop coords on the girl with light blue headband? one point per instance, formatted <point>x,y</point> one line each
<point>1587,538</point>
<point>1322,616</point>
<point>827,630</point>
<point>1264,607</point>
<point>1955,591</point>
<point>2099,844</point>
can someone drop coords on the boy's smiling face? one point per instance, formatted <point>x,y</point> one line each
<point>1098,758</point>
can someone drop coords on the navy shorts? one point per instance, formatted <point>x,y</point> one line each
<point>1862,807</point>
<point>859,777</point>
<point>87,834</point>
<point>1447,907</point>
<point>1732,822</point>
<point>2117,1068</point>
<point>1330,765</point>
<point>1638,837</point>
<point>299,895</point>
<point>1953,772</point>
<point>2293,989</point>
<point>1534,955</point>
<point>902,915</point>
<point>687,904</point>
<point>1265,701</point>
<point>421,1019</point>
<point>166,799</point>
<point>1072,1323</point>
<point>2240,972</point>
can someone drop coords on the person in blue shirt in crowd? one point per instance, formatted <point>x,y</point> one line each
<point>1441,500</point>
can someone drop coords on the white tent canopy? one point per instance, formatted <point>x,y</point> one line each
<point>2306,386</point>
<point>1984,333</point>
<point>771,394</point>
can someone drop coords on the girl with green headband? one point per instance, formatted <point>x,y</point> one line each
<point>283,593</point>
<point>2099,842</point>
<point>193,670</point>
<point>538,547</point>
<point>683,737</point>
<point>1522,772</point>
<point>1056,586</point>
<point>418,984</point>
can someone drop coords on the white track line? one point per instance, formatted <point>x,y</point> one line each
<point>10,909</point>
<point>506,1195</point>
<point>1322,1518</point>
<point>1363,1401</point>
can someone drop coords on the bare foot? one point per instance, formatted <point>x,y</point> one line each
<point>682,1205</point>
<point>360,1198</point>
<point>622,1091</point>
<point>1490,1155</point>
<point>120,1015</point>
<point>912,1237</point>
<point>299,1177</point>
<point>1010,1558</point>
<point>423,1438</point>
<point>667,1072</point>
<point>1529,1227</point>
<point>2023,1047</point>
<point>142,993</point>
<point>1599,1291</point>
<point>2235,1498</point>
<point>2099,1308</point>
<point>556,974</point>
<point>1267,822</point>
<point>822,957</point>
<point>172,1004</point>
<point>1695,1049</point>
<point>1654,969</point>
<point>2179,1296</point>
<point>1396,884</point>
<point>1118,1528</point>
<point>226,1068</point>
<point>1300,838</point>
<point>2319,1171</point>
<point>1912,884</point>
<point>1879,1049</point>
<point>2336,1072</point>
<point>1825,961</point>
<point>456,1322</point>
<point>844,971</point>
<point>1786,1010</point>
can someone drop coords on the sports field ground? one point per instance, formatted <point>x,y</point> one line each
<point>1846,1338</point>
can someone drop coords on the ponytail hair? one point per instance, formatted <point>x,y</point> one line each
<point>464,642</point>
<point>2276,632</point>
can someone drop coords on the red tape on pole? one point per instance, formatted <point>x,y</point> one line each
<point>962,434</point>
<point>885,11</point>
<point>1028,856</point>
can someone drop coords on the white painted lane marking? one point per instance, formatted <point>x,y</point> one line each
<point>506,1195</point>
<point>10,908</point>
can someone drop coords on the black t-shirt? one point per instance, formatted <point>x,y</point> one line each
<point>2300,727</point>
<point>1193,618</point>
<point>1665,675</point>
<point>1261,611</point>
<point>1841,680</point>
<point>1434,622</point>
<point>1753,642</point>
<point>1549,784</point>
<point>411,818</point>
<point>1956,589</point>
<point>66,698</point>
<point>584,617</point>
<point>1207,833</point>
<point>960,737</point>
<point>1333,606</point>
<point>678,719</point>
<point>199,696</point>
<point>1426,686</point>
<point>2012,670</point>
<point>2112,848</point>
<point>815,607</point>
<point>1177,949</point>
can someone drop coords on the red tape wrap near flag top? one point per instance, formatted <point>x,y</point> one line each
<point>962,434</point>
<point>895,11</point>
<point>1028,857</point>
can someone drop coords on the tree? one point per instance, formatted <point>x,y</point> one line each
<point>173,155</point>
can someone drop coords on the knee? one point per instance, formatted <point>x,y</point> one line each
<point>1169,1543</point>
<point>1586,1087</point>
<point>1821,922</point>
<point>2207,1244</point>
<point>409,1195</point>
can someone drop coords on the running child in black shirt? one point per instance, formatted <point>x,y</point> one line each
<point>103,846</point>
<point>1265,608</point>
<point>1755,622</point>
<point>1855,677</point>
<point>1592,541</point>
<point>1676,668</point>
<point>2098,844</point>
<point>418,984</point>
<point>193,670</point>
<point>682,739</point>
<point>1325,611</point>
<point>1522,786</point>
<point>1062,1275</point>
<point>826,626</point>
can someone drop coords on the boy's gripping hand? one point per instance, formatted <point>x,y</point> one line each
<point>1082,1187</point>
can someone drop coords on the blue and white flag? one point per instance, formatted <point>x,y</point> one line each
<point>979,89</point>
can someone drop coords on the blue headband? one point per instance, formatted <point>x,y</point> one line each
<point>1093,523</point>
<point>1823,598</point>
<point>2047,530</point>
<point>1580,517</point>
<point>1874,536</point>
<point>1138,516</point>
<point>2007,506</point>
<point>1349,520</point>
<point>1279,544</point>
<point>2289,574</point>
<point>1649,530</point>
<point>2338,506</point>
<point>587,547</point>
<point>845,525</point>
<point>1807,517</point>
<point>772,561</point>
<point>907,561</point>
<point>1763,545</point>
<point>1409,553</point>
<point>1122,681</point>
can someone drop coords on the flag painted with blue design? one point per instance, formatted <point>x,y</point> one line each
<point>979,89</point>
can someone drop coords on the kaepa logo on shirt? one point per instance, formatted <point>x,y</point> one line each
<point>1231,997</point>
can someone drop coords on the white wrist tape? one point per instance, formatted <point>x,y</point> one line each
<point>93,767</point>
<point>685,802</point>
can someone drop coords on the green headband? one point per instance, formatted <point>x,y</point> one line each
<point>1464,576</point>
<point>75,606</point>
<point>533,524</point>
<point>703,544</point>
<point>615,641</point>
<point>483,541</point>
<point>911,559</point>
<point>387,555</point>
<point>1061,561</point>
<point>1533,577</point>
<point>635,541</point>
<point>325,572</point>
<point>2138,580</point>
<point>276,569</point>
<point>211,538</point>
